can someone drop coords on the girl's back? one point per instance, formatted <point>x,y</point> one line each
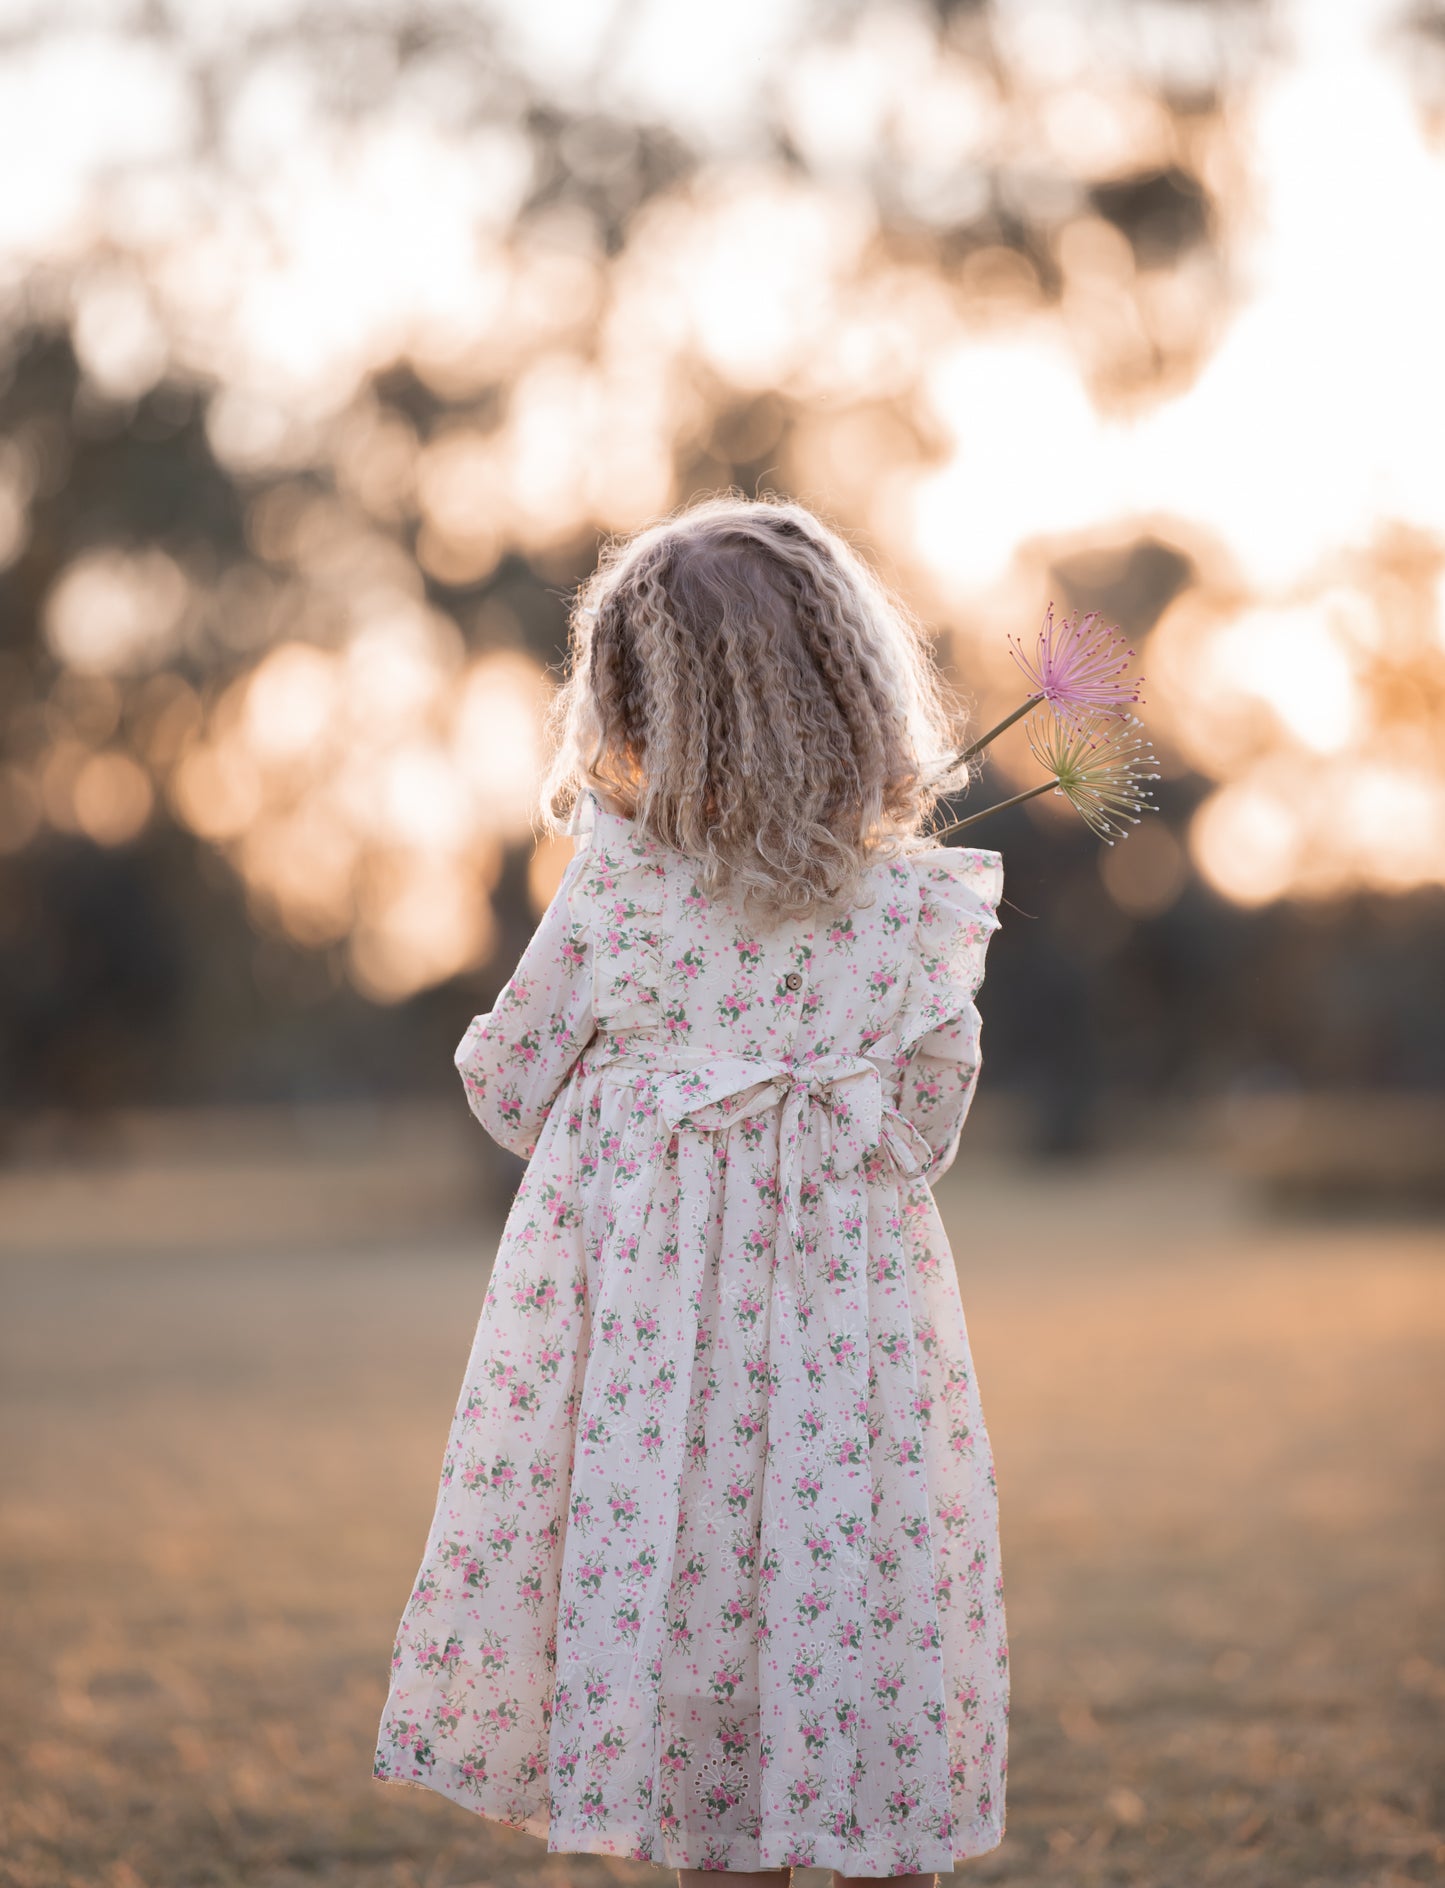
<point>879,996</point>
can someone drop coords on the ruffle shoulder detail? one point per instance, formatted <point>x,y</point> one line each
<point>617,894</point>
<point>959,889</point>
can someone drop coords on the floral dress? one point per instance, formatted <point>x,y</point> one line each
<point>714,1578</point>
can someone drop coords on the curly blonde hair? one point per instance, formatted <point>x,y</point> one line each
<point>742,686</point>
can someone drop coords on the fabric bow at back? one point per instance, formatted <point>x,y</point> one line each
<point>832,1104</point>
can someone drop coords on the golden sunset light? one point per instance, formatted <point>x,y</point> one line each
<point>1232,398</point>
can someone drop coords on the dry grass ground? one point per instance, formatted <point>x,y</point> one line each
<point>1220,1445</point>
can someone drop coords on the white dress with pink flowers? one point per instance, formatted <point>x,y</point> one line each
<point>714,1578</point>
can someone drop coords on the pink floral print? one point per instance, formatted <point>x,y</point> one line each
<point>714,1577</point>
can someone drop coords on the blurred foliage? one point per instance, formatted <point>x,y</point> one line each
<point>320,387</point>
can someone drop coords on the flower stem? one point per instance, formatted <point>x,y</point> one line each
<point>957,825</point>
<point>993,733</point>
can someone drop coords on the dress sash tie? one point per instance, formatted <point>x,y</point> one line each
<point>837,1098</point>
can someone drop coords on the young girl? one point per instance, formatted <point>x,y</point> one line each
<point>714,1576</point>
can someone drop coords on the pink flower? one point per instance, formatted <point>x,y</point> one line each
<point>1077,667</point>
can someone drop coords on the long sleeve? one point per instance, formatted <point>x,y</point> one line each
<point>939,1057</point>
<point>514,1060</point>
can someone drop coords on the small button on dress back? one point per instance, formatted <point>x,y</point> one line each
<point>793,980</point>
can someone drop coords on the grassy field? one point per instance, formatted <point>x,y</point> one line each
<point>1220,1444</point>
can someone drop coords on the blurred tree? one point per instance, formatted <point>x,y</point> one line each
<point>315,410</point>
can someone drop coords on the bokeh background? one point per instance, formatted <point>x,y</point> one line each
<point>333,339</point>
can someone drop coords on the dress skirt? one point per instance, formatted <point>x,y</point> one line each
<point>714,1575</point>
